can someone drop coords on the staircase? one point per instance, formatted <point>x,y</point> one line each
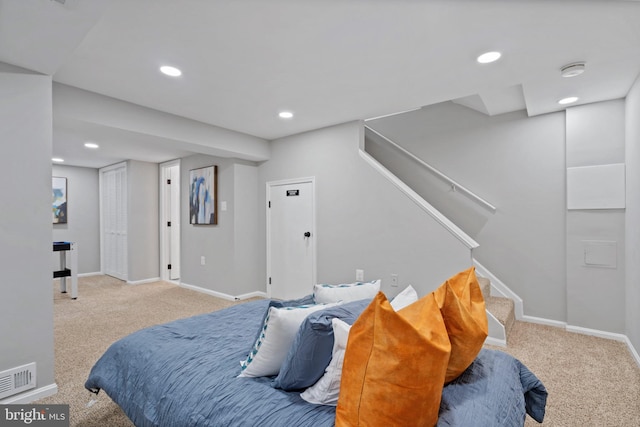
<point>500,308</point>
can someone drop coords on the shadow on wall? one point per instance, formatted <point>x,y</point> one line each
<point>465,213</point>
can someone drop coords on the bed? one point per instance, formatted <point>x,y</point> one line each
<point>185,373</point>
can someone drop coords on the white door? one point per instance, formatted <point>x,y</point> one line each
<point>291,239</point>
<point>113,213</point>
<point>170,220</point>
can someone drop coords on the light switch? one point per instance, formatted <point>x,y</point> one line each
<point>223,206</point>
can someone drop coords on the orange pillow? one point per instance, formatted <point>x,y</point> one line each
<point>394,366</point>
<point>462,306</point>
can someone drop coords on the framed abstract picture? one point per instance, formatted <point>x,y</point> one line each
<point>59,207</point>
<point>203,195</point>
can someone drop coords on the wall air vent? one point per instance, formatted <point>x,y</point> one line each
<point>17,380</point>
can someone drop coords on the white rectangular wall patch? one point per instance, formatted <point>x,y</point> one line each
<point>596,187</point>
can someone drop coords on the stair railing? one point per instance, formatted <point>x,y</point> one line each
<point>419,200</point>
<point>455,186</point>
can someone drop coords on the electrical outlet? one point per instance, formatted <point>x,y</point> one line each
<point>394,280</point>
<point>202,260</point>
<point>359,275</point>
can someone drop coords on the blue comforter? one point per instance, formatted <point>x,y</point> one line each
<point>184,373</point>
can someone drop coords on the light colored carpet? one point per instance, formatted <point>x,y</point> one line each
<point>106,310</point>
<point>591,381</point>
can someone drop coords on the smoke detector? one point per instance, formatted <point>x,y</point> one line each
<point>572,70</point>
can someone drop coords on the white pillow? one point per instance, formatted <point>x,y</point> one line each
<point>278,332</point>
<point>345,292</point>
<point>404,298</point>
<point>327,389</point>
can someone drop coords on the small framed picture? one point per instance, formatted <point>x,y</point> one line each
<point>203,195</point>
<point>59,200</point>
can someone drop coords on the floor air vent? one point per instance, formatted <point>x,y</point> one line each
<point>17,380</point>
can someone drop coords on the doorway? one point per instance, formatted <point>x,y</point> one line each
<point>291,238</point>
<point>113,220</point>
<point>170,220</point>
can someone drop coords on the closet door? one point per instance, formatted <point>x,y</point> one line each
<point>113,212</point>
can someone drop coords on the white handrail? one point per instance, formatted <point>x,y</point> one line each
<point>455,186</point>
<point>421,202</point>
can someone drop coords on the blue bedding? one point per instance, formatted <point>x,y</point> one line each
<point>184,373</point>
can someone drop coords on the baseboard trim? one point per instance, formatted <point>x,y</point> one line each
<point>596,333</point>
<point>223,295</point>
<point>607,335</point>
<point>31,395</point>
<point>586,331</point>
<point>633,351</point>
<point>142,282</point>
<point>252,295</point>
<point>95,273</point>
<point>495,342</point>
<point>543,321</point>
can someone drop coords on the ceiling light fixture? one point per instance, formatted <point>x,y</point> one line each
<point>170,71</point>
<point>57,160</point>
<point>572,70</point>
<point>489,57</point>
<point>285,114</point>
<point>568,100</point>
<point>91,145</point>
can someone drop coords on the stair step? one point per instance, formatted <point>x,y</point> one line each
<point>485,286</point>
<point>503,310</point>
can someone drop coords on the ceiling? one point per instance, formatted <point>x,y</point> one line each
<point>327,61</point>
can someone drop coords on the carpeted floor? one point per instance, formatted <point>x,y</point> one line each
<point>591,381</point>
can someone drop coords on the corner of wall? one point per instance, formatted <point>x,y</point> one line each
<point>632,213</point>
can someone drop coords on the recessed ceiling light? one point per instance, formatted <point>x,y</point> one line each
<point>489,57</point>
<point>572,70</point>
<point>91,145</point>
<point>568,100</point>
<point>285,114</point>
<point>170,71</point>
<point>57,160</point>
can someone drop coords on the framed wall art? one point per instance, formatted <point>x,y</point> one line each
<point>203,195</point>
<point>59,207</point>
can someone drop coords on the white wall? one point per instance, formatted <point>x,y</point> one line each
<point>514,162</point>
<point>632,215</point>
<point>246,212</point>
<point>26,305</point>
<point>143,236</point>
<point>595,295</point>
<point>71,103</point>
<point>231,256</point>
<point>363,221</point>
<point>519,164</point>
<point>83,225</point>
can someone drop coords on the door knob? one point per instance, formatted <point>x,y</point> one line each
<point>307,234</point>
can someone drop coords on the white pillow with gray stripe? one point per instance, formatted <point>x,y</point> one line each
<point>345,292</point>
